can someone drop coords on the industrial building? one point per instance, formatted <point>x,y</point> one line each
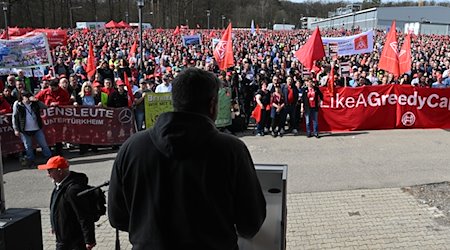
<point>426,19</point>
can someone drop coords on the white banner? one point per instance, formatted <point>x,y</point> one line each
<point>28,52</point>
<point>35,72</point>
<point>350,45</point>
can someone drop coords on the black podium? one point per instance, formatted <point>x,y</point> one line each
<point>272,235</point>
<point>20,229</point>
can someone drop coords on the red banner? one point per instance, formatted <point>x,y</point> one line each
<point>385,107</point>
<point>55,37</point>
<point>86,125</point>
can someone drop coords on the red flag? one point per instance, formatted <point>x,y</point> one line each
<point>389,56</point>
<point>331,81</point>
<point>129,90</point>
<point>404,57</point>
<point>312,50</point>
<point>133,50</point>
<point>256,113</point>
<point>90,68</point>
<point>176,31</point>
<point>223,53</point>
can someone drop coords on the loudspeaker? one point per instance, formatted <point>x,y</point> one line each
<point>272,235</point>
<point>20,229</point>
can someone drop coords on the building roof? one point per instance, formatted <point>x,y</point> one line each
<point>432,14</point>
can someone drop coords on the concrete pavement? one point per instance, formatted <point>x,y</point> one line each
<point>343,189</point>
<point>356,219</point>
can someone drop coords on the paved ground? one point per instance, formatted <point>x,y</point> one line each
<point>343,189</point>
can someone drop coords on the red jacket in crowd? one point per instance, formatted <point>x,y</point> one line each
<point>57,97</point>
<point>4,106</point>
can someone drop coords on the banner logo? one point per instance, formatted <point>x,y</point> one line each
<point>361,43</point>
<point>394,47</point>
<point>125,116</point>
<point>220,49</point>
<point>408,119</point>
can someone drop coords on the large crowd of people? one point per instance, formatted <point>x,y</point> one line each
<point>263,58</point>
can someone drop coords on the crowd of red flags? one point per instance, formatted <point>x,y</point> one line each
<point>392,60</point>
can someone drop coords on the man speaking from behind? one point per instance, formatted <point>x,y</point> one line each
<point>183,184</point>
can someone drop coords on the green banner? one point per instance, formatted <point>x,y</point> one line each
<point>156,104</point>
<point>104,99</point>
<point>224,115</point>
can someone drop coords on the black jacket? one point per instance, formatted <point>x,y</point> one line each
<point>118,100</point>
<point>71,219</point>
<point>305,101</point>
<point>185,185</point>
<point>285,91</point>
<point>20,112</point>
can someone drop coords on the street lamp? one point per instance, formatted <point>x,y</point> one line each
<point>151,19</point>
<point>126,16</point>
<point>140,4</point>
<point>5,13</point>
<point>208,13</point>
<point>223,21</point>
<point>71,14</point>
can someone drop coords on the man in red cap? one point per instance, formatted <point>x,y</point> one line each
<point>118,98</point>
<point>71,221</point>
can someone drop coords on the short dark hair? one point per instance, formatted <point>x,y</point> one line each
<point>193,89</point>
<point>54,83</point>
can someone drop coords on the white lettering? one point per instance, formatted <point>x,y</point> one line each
<point>361,101</point>
<point>384,99</point>
<point>4,119</point>
<point>392,99</point>
<point>422,101</point>
<point>350,102</point>
<point>412,99</point>
<point>430,99</point>
<point>373,99</point>
<point>402,100</point>
<point>339,101</point>
<point>443,103</point>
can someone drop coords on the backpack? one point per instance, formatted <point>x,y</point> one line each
<point>97,201</point>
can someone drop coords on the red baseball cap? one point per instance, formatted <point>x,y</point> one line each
<point>54,163</point>
<point>120,83</point>
<point>96,84</point>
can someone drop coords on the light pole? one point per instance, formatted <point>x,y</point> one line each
<point>223,21</point>
<point>140,4</point>
<point>126,16</point>
<point>5,13</point>
<point>208,13</point>
<point>71,14</point>
<point>151,19</point>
